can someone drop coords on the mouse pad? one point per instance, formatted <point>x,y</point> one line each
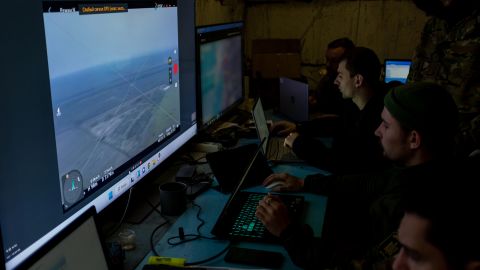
<point>228,166</point>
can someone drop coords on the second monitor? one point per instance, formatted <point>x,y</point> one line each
<point>397,70</point>
<point>220,77</point>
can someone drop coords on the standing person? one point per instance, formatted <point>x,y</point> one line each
<point>449,54</point>
<point>354,147</point>
<point>418,125</point>
<point>326,98</point>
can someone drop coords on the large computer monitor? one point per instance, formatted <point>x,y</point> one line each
<point>220,66</point>
<point>397,70</point>
<point>2,259</point>
<point>99,94</point>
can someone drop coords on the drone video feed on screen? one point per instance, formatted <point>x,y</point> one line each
<point>221,75</point>
<point>114,87</point>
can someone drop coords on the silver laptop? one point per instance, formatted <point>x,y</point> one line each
<point>294,99</point>
<point>77,246</point>
<point>273,149</point>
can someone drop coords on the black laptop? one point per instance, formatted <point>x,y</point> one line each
<point>228,167</point>
<point>274,148</point>
<point>238,221</point>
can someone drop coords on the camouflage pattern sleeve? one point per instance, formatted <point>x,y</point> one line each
<point>450,56</point>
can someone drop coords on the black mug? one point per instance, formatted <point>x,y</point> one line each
<point>173,198</point>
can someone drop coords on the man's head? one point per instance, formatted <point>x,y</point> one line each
<point>419,122</point>
<point>335,52</point>
<point>450,10</point>
<point>359,68</point>
<point>440,227</point>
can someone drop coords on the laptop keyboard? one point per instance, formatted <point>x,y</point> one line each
<point>276,150</point>
<point>248,225</point>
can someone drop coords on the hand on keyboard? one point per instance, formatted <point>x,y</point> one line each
<point>290,139</point>
<point>290,182</point>
<point>273,213</point>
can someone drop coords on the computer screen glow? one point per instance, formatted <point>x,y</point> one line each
<point>122,99</point>
<point>397,70</point>
<point>220,64</point>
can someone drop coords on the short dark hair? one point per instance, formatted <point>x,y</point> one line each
<point>341,43</point>
<point>364,61</point>
<point>449,201</point>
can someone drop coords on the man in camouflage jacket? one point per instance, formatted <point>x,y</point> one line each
<point>449,54</point>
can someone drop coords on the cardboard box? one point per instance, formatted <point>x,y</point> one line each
<point>274,58</point>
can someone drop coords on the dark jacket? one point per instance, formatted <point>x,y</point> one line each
<point>362,211</point>
<point>354,148</point>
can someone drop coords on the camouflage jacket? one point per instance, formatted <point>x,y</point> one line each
<point>450,55</point>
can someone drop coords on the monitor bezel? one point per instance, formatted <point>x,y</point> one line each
<point>101,200</point>
<point>2,257</point>
<point>228,111</point>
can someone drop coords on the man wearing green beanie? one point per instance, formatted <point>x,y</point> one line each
<point>419,122</point>
<point>363,211</point>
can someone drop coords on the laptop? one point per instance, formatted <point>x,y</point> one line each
<point>273,149</point>
<point>293,99</point>
<point>237,220</point>
<point>77,246</point>
<point>397,70</point>
<point>228,166</point>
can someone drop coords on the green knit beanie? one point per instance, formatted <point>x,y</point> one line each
<point>425,107</point>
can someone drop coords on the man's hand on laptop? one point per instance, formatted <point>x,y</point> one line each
<point>283,182</point>
<point>282,128</point>
<point>273,213</point>
<point>290,139</point>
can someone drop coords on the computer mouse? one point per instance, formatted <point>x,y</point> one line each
<point>275,184</point>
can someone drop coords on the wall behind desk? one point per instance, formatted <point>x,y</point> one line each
<point>390,27</point>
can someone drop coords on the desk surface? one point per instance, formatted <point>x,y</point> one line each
<point>212,203</point>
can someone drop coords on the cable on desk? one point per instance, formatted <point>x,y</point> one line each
<point>195,237</point>
<point>191,237</point>
<point>189,159</point>
<point>153,208</point>
<point>153,233</point>
<point>123,216</point>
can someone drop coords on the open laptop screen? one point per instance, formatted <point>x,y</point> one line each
<point>261,123</point>
<point>397,70</point>
<point>294,99</point>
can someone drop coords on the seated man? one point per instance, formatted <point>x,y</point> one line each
<point>326,98</point>
<point>417,130</point>
<point>354,147</point>
<point>440,230</point>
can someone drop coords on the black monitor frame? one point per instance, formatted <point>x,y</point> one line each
<point>2,257</point>
<point>31,210</point>
<point>224,29</point>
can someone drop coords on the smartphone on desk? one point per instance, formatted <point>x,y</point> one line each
<point>263,258</point>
